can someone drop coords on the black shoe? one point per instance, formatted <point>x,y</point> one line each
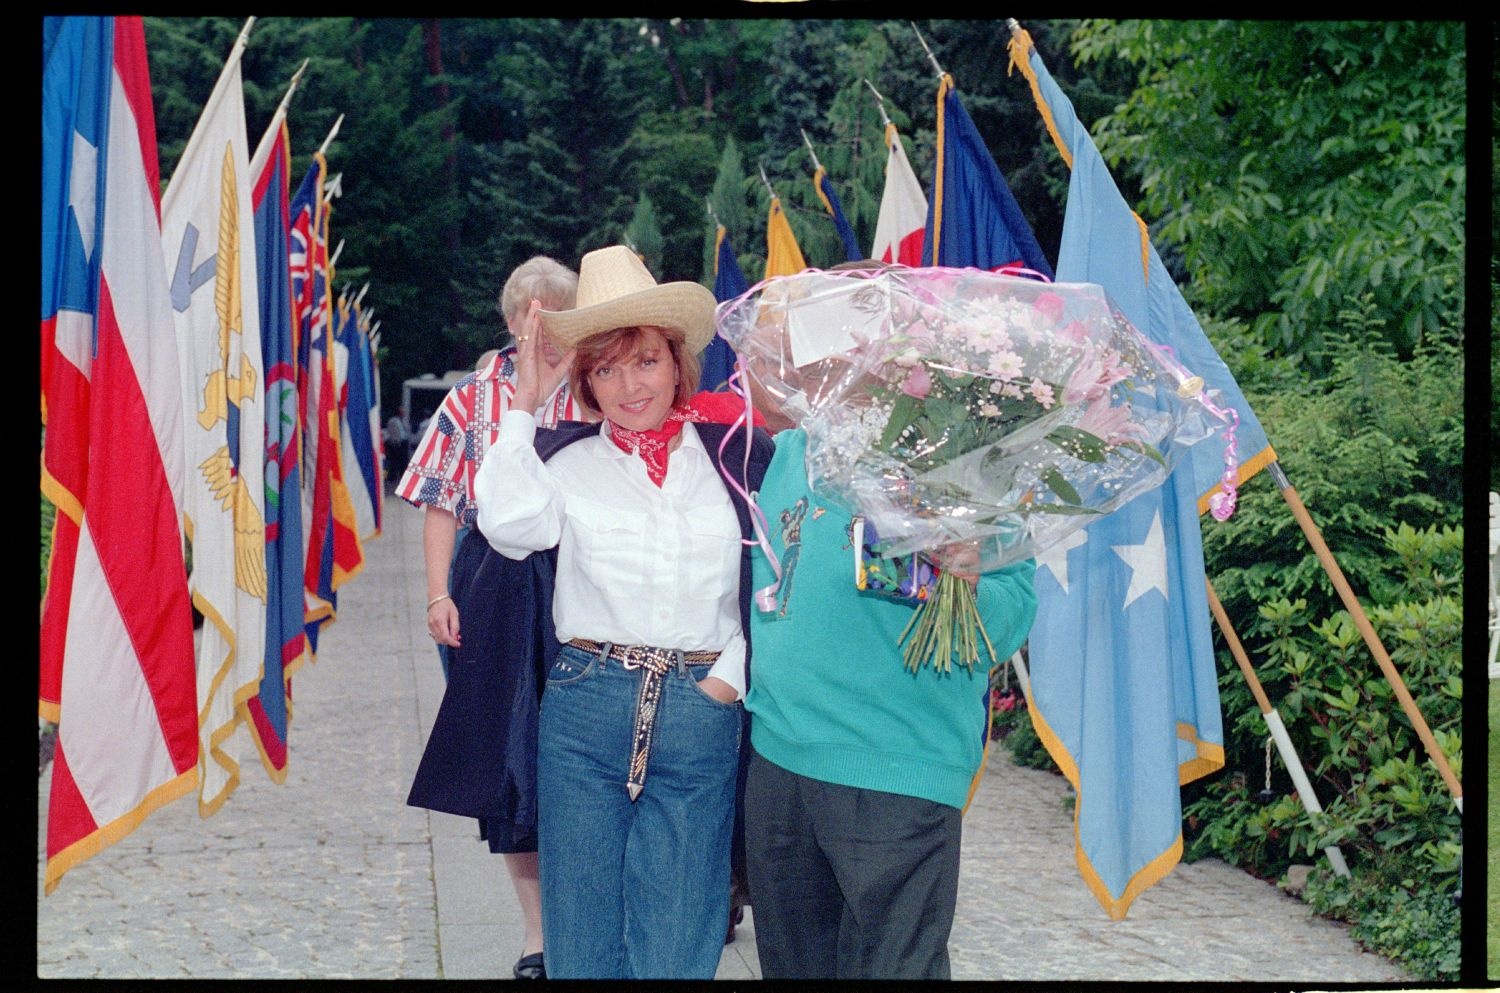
<point>530,967</point>
<point>736,916</point>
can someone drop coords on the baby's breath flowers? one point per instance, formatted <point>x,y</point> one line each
<point>963,408</point>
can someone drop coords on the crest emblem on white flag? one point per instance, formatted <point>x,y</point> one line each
<point>208,239</point>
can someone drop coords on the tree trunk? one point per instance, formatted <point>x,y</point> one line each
<point>432,47</point>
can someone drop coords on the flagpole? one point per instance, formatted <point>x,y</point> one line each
<point>1362,623</point>
<point>242,40</point>
<point>930,56</point>
<point>808,142</point>
<point>335,257</point>
<point>1289,757</point>
<point>709,203</point>
<point>291,88</point>
<point>323,148</point>
<point>769,188</point>
<point>879,103</point>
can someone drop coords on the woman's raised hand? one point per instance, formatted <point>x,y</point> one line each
<point>535,377</point>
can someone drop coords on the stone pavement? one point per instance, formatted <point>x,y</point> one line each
<point>331,875</point>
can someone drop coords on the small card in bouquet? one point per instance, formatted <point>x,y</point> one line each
<point>908,577</point>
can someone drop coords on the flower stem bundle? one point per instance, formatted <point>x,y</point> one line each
<point>944,626</point>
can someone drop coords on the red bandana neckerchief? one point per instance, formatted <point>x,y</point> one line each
<point>655,445</point>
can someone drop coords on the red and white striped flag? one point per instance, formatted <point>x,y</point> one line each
<point>117,636</point>
<point>903,209</point>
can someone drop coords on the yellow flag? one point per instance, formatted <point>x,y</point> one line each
<point>783,257</point>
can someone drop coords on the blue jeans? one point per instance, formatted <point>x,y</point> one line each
<point>633,889</point>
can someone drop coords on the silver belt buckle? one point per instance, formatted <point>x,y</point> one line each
<point>632,657</point>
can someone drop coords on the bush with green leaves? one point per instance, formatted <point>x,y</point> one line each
<point>1385,804</point>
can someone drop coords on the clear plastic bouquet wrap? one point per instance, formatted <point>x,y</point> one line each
<point>967,416</point>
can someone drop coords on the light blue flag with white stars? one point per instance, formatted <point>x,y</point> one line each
<point>1123,681</point>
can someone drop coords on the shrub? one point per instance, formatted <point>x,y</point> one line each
<point>1385,804</point>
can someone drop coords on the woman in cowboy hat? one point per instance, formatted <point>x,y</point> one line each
<point>640,720</point>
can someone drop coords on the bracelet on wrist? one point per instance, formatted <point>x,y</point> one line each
<point>438,598</point>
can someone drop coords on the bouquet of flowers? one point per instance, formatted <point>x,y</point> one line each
<point>970,418</point>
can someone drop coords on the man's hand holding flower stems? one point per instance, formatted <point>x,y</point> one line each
<point>961,560</point>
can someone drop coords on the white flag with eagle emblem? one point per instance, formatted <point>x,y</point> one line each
<point>208,238</point>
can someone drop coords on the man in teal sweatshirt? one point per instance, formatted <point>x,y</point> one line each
<point>860,768</point>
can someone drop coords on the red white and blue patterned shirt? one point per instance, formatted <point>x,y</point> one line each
<point>466,424</point>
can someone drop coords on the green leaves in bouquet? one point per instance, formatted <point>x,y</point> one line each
<point>1080,444</point>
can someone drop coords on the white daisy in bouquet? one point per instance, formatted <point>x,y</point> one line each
<point>966,417</point>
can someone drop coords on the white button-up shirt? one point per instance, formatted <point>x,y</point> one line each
<point>637,564</point>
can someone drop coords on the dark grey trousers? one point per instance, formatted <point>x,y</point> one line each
<point>848,883</point>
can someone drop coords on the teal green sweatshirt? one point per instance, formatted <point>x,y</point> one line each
<point>830,697</point>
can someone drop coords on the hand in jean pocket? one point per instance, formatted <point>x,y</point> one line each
<point>718,689</point>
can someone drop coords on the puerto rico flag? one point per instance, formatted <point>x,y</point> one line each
<point>117,670</point>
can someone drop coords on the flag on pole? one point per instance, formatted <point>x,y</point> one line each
<point>208,238</point>
<point>348,556</point>
<point>973,219</point>
<point>783,257</point>
<point>309,253</point>
<point>830,200</point>
<point>354,422</point>
<point>899,229</point>
<point>729,282</point>
<point>269,711</point>
<point>1123,680</point>
<point>117,637</point>
<point>979,224</point>
<point>372,466</point>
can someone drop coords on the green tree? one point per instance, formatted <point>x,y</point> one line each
<point>643,233</point>
<point>1296,166</point>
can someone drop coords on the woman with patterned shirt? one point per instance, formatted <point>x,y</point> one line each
<point>440,479</point>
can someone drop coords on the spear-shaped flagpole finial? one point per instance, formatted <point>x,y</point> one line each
<point>335,187</point>
<point>709,203</point>
<point>374,328</point>
<point>930,56</point>
<point>335,257</point>
<point>808,142</point>
<point>361,294</point>
<point>769,188</point>
<point>323,148</point>
<point>879,102</point>
<point>244,37</point>
<point>292,87</point>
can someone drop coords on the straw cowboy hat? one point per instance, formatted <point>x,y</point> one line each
<point>616,290</point>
